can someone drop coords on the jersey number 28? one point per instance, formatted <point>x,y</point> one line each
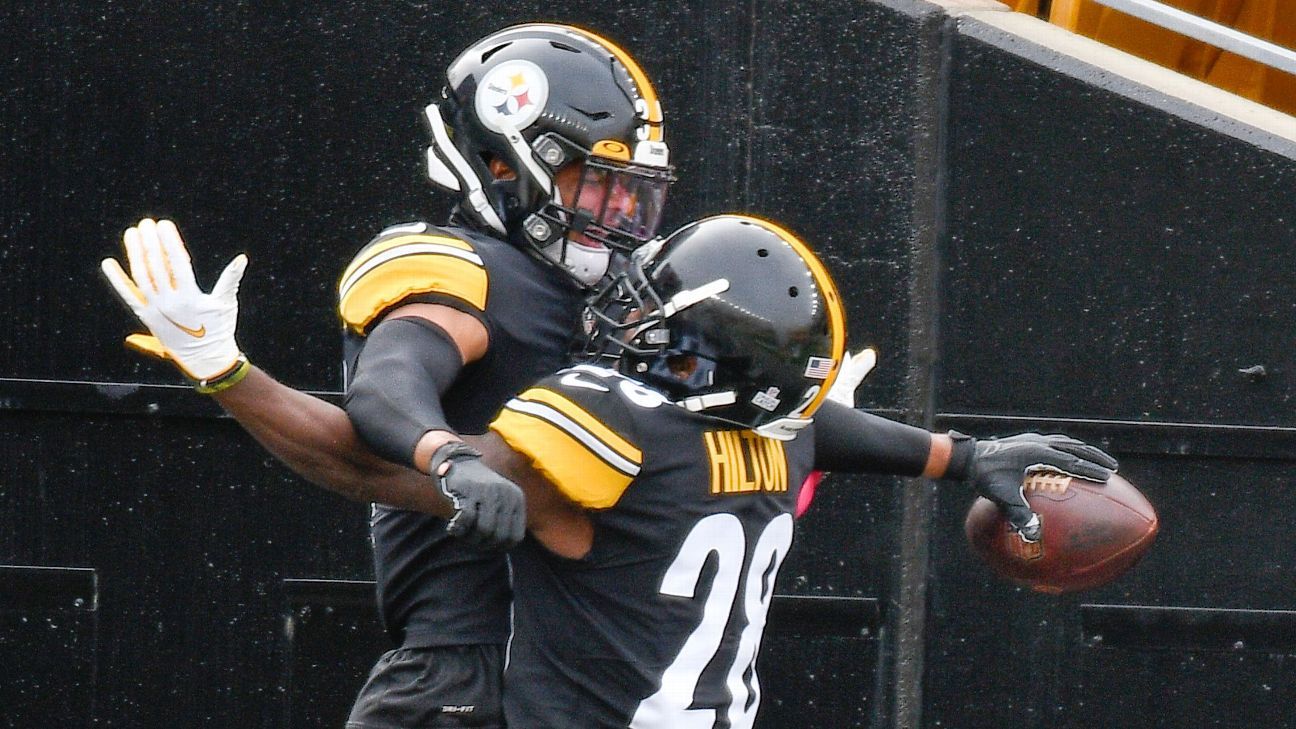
<point>721,534</point>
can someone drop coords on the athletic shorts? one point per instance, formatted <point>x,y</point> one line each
<point>433,688</point>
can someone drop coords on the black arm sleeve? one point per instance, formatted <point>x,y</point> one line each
<point>406,366</point>
<point>850,440</point>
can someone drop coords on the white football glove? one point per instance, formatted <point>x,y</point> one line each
<point>193,329</point>
<point>854,368</point>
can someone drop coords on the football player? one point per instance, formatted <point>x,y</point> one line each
<point>551,137</point>
<point>663,473</point>
<point>661,479</point>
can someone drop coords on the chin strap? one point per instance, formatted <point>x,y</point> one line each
<point>587,264</point>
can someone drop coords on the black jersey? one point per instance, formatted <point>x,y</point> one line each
<point>432,589</point>
<point>660,625</point>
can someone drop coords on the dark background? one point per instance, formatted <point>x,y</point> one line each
<point>1029,241</point>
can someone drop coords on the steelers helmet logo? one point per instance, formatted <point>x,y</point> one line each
<point>512,94</point>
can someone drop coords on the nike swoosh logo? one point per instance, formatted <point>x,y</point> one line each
<point>572,379</point>
<point>198,333</point>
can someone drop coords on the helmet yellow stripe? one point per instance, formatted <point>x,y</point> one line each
<point>832,300</point>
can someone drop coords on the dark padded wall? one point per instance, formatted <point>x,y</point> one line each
<point>157,569</point>
<point>843,119</point>
<point>1156,244</point>
<point>1116,267</point>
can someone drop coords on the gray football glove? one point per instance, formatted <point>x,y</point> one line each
<point>490,510</point>
<point>999,466</point>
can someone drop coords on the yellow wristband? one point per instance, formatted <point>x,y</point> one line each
<point>225,380</point>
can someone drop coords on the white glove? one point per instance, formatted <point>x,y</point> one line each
<point>853,370</point>
<point>195,330</point>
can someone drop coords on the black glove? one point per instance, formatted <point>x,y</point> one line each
<point>999,466</point>
<point>490,510</point>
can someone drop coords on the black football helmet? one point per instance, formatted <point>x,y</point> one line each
<point>539,97</point>
<point>744,297</point>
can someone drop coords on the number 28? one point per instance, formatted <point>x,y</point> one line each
<point>723,535</point>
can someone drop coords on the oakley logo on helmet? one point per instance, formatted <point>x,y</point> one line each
<point>514,92</point>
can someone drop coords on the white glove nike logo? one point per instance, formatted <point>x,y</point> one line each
<point>198,333</point>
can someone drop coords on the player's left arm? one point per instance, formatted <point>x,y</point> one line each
<point>855,441</point>
<point>572,443</point>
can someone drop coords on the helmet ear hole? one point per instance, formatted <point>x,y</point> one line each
<point>763,253</point>
<point>794,291</point>
<point>499,168</point>
<point>682,365</point>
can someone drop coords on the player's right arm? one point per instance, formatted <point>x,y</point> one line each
<point>417,296</point>
<point>195,331</point>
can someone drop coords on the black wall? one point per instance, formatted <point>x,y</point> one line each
<point>1029,241</point>
<point>1116,264</point>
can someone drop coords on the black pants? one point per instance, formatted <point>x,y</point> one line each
<point>432,688</point>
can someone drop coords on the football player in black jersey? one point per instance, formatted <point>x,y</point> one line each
<point>552,138</point>
<point>662,476</point>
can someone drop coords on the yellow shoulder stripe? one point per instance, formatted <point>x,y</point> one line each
<point>389,271</point>
<point>382,246</point>
<point>583,466</point>
<point>602,434</point>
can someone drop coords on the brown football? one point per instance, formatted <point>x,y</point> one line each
<point>1093,533</point>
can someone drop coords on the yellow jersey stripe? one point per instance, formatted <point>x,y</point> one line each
<point>567,462</point>
<point>380,249</point>
<point>406,271</point>
<point>582,425</point>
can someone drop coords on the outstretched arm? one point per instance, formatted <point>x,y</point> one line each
<point>315,439</point>
<point>854,441</point>
<point>195,331</point>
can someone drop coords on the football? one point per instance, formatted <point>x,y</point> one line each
<point>1093,533</point>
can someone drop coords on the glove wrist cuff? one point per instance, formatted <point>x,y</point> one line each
<point>453,450</point>
<point>962,454</point>
<point>226,379</point>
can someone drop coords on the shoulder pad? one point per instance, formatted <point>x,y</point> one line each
<point>407,260</point>
<point>574,427</point>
